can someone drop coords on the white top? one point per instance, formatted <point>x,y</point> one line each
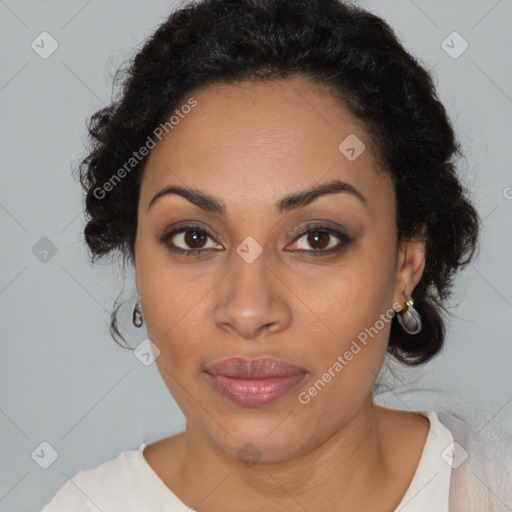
<point>128,483</point>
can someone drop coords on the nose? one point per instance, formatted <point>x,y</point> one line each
<point>252,301</point>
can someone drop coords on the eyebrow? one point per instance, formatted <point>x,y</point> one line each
<point>290,202</point>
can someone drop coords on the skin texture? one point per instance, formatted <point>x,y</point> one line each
<point>249,145</point>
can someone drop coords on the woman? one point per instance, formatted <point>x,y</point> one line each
<point>281,176</point>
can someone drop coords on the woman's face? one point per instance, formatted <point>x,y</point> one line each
<point>259,287</point>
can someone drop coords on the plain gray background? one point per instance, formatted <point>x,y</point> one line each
<point>63,380</point>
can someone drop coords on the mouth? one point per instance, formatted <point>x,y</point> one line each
<point>254,382</point>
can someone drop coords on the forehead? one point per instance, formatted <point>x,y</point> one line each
<point>254,142</point>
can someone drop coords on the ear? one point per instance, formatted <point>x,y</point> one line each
<point>136,272</point>
<point>410,266</point>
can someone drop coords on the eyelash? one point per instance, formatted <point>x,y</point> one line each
<point>344,240</point>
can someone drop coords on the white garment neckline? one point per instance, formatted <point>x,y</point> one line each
<point>428,490</point>
<point>430,486</point>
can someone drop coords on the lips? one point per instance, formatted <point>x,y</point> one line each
<point>254,382</point>
<point>260,368</point>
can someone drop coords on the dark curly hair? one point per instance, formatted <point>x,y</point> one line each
<point>352,52</point>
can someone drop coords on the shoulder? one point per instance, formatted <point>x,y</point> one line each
<point>430,486</point>
<point>482,476</point>
<point>108,486</point>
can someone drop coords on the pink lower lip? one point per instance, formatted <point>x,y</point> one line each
<point>254,392</point>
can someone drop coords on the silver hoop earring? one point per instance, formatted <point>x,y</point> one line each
<point>410,319</point>
<point>137,315</point>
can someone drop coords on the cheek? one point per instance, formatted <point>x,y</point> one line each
<point>167,294</point>
<point>355,348</point>
<point>172,327</point>
<point>344,300</point>
<point>345,365</point>
<point>351,325</point>
<point>170,306</point>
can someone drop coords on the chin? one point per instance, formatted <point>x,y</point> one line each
<point>271,438</point>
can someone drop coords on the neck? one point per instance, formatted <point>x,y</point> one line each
<point>347,467</point>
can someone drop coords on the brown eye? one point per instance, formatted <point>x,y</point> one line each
<point>318,239</point>
<point>321,240</point>
<point>195,239</point>
<point>189,239</point>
